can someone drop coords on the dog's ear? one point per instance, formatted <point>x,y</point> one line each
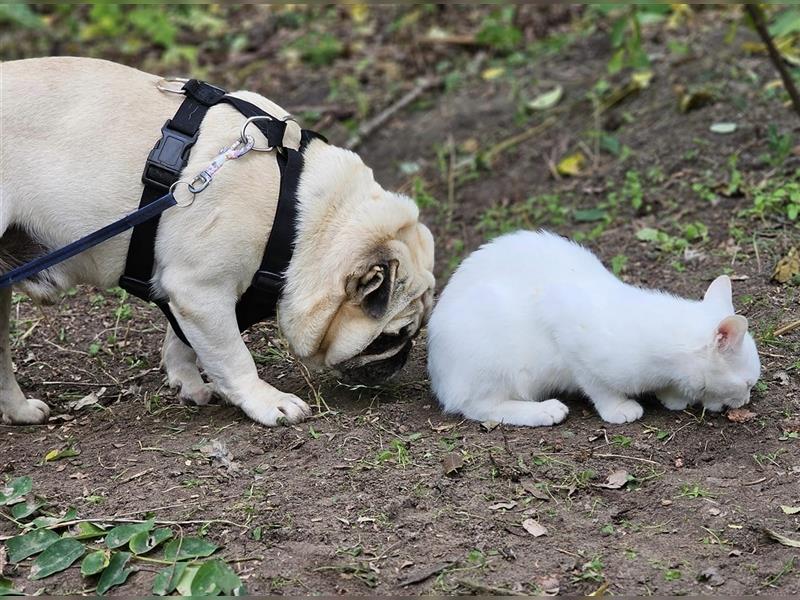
<point>373,288</point>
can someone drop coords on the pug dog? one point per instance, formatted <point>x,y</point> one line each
<point>76,133</point>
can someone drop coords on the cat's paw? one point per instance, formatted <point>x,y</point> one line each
<point>624,411</point>
<point>551,412</point>
<point>673,402</point>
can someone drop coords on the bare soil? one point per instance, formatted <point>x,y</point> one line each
<point>358,499</point>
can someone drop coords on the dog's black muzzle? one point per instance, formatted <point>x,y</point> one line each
<point>379,361</point>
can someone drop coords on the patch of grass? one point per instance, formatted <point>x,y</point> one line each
<point>777,197</point>
<point>498,31</point>
<point>591,571</point>
<point>618,264</point>
<point>779,146</point>
<point>530,214</point>
<point>692,490</point>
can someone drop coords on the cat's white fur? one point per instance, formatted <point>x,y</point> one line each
<point>531,315</point>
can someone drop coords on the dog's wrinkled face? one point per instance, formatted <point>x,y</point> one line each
<point>361,284</point>
<point>388,298</point>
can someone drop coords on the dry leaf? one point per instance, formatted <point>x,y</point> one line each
<point>534,528</point>
<point>88,400</point>
<point>489,425</point>
<point>790,510</point>
<point>782,377</point>
<point>423,573</point>
<point>504,505</point>
<point>493,73</point>
<point>217,450</point>
<point>2,559</point>
<point>549,584</point>
<point>740,415</point>
<point>712,577</point>
<point>452,463</point>
<point>788,267</point>
<point>692,99</point>
<point>572,164</point>
<point>615,480</point>
<point>547,100</point>
<point>782,539</point>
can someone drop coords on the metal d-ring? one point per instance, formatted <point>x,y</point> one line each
<point>189,186</point>
<point>171,90</point>
<point>243,134</point>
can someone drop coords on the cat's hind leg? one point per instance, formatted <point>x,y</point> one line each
<point>517,412</point>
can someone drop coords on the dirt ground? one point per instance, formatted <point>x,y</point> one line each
<point>358,499</point>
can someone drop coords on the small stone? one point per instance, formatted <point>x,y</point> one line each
<point>666,503</point>
<point>712,577</point>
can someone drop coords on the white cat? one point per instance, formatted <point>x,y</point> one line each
<point>531,315</point>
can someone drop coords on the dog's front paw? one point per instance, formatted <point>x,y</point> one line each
<point>277,409</point>
<point>27,412</point>
<point>622,412</point>
<point>199,394</point>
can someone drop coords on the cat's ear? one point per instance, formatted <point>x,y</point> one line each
<point>730,333</point>
<point>719,293</point>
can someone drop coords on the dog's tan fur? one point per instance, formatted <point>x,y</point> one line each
<point>75,136</point>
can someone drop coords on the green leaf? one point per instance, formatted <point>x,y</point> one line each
<point>68,452</point>
<point>88,531</point>
<point>94,563</point>
<point>43,522</point>
<point>26,509</point>
<point>648,234</point>
<point>23,546</point>
<point>189,547</point>
<point>547,100</point>
<point>15,490</point>
<point>20,14</point>
<point>7,589</point>
<point>589,215</point>
<point>723,128</point>
<point>56,558</point>
<point>144,541</point>
<point>122,534</point>
<point>115,573</point>
<point>215,577</point>
<point>167,580</point>
<point>184,586</point>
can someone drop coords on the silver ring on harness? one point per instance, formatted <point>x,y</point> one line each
<point>188,185</point>
<point>243,135</point>
<point>163,85</point>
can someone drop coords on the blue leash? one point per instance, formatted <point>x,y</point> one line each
<point>101,235</point>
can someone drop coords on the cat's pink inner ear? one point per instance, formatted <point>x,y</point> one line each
<point>720,292</point>
<point>730,332</point>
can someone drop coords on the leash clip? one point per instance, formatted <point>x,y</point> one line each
<point>236,150</point>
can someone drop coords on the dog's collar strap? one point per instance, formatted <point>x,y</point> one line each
<point>163,168</point>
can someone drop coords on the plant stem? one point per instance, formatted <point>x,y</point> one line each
<point>757,16</point>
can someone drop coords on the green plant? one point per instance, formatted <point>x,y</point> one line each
<point>779,146</point>
<point>618,264</point>
<point>107,552</point>
<point>532,213</point>
<point>591,571</point>
<point>776,198</point>
<point>319,49</point>
<point>498,31</point>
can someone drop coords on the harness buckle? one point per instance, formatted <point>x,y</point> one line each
<point>168,158</point>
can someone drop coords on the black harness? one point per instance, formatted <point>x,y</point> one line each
<point>163,168</point>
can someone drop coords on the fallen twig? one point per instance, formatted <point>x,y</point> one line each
<point>787,328</point>
<point>367,128</point>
